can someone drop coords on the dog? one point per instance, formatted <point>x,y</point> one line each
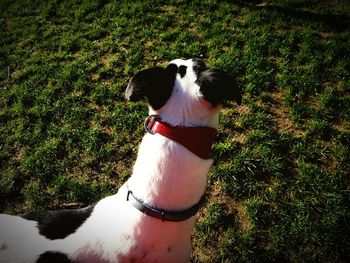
<point>151,217</point>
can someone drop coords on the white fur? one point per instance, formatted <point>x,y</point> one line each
<point>165,175</point>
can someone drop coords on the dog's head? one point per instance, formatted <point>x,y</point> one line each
<point>186,92</point>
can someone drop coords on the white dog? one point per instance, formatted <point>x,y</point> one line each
<point>151,217</point>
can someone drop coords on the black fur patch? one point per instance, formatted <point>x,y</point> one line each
<point>217,86</point>
<point>156,84</point>
<point>182,71</point>
<point>60,224</point>
<point>198,66</point>
<point>53,257</point>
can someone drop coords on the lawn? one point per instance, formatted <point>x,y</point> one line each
<point>279,189</point>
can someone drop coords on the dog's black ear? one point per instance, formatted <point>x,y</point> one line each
<point>156,84</point>
<point>217,86</point>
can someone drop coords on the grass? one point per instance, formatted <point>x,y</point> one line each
<point>279,189</point>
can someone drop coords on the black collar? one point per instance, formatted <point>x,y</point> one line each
<point>164,215</point>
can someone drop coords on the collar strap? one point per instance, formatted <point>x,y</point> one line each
<point>198,140</point>
<point>164,215</point>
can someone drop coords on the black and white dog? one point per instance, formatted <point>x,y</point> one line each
<point>151,217</point>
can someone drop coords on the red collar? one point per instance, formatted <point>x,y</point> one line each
<point>198,140</point>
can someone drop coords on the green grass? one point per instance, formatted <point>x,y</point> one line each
<point>279,189</point>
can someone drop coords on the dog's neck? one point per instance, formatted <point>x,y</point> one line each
<point>177,113</point>
<point>168,176</point>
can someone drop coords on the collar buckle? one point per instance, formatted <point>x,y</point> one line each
<point>149,123</point>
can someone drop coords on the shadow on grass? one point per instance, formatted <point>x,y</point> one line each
<point>336,22</point>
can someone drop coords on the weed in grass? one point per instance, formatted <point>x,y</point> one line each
<point>320,128</point>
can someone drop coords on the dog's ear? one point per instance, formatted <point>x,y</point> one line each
<point>217,86</point>
<point>156,84</point>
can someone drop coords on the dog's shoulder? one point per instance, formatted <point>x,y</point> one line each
<point>59,224</point>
